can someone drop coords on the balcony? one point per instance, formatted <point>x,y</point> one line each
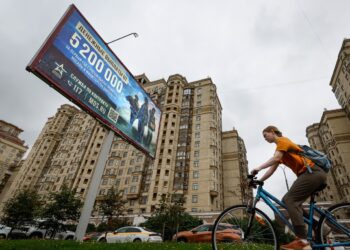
<point>132,196</point>
<point>213,193</point>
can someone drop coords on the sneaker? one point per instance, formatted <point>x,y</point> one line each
<point>296,244</point>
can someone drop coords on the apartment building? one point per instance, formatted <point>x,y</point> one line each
<point>191,159</point>
<point>12,149</point>
<point>340,80</point>
<point>332,136</point>
<point>235,170</point>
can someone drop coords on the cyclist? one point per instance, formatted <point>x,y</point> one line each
<point>310,177</point>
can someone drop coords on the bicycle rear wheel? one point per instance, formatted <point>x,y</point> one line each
<point>239,225</point>
<point>336,228</point>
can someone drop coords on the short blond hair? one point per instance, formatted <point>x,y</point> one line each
<point>273,129</point>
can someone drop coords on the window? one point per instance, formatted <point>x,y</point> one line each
<point>195,174</point>
<point>196,164</point>
<point>194,198</point>
<point>196,153</point>
<point>187,91</point>
<point>196,144</point>
<point>135,179</point>
<point>197,135</point>
<point>117,182</point>
<point>195,186</point>
<point>133,189</point>
<point>198,126</point>
<point>198,118</point>
<point>122,163</point>
<point>104,181</point>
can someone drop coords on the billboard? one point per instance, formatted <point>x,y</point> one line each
<point>77,62</point>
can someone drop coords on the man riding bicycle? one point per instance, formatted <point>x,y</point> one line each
<point>310,177</point>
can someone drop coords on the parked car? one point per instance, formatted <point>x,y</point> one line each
<point>131,234</point>
<point>225,233</point>
<point>33,232</point>
<point>4,231</point>
<point>95,236</point>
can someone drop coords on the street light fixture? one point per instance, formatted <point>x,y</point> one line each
<point>133,33</point>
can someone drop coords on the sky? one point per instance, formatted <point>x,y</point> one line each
<point>271,60</point>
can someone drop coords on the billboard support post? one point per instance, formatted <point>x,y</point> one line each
<point>93,187</point>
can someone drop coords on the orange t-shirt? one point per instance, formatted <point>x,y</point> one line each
<point>290,157</point>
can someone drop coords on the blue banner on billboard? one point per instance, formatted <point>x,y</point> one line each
<point>77,62</point>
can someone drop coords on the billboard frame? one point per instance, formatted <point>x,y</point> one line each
<point>31,67</point>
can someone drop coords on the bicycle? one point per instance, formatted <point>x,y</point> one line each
<point>332,231</point>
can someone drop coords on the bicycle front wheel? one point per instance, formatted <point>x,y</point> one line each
<point>335,227</point>
<point>241,226</point>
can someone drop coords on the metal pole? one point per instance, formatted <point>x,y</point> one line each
<point>285,177</point>
<point>93,188</point>
<point>134,33</point>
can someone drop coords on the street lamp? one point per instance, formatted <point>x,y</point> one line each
<point>285,177</point>
<point>133,33</point>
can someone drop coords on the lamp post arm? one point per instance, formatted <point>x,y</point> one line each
<point>133,33</point>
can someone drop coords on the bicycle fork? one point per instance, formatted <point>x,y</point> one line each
<point>251,211</point>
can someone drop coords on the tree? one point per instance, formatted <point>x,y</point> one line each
<point>60,208</point>
<point>21,210</point>
<point>170,217</point>
<point>113,206</point>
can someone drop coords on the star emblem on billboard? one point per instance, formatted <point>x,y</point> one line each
<point>59,70</point>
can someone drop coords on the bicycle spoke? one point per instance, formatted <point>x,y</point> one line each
<point>261,231</point>
<point>335,227</point>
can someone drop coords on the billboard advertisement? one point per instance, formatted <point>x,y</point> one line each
<point>77,62</point>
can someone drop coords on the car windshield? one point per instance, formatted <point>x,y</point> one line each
<point>203,228</point>
<point>148,230</point>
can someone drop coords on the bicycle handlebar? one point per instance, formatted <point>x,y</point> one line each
<point>254,182</point>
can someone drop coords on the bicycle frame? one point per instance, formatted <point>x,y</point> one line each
<point>268,198</point>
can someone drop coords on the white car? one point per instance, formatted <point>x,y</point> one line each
<point>133,234</point>
<point>33,232</point>
<point>4,231</point>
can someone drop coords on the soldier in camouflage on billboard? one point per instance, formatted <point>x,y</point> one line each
<point>134,108</point>
<point>142,117</point>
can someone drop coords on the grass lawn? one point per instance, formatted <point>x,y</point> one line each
<point>55,244</point>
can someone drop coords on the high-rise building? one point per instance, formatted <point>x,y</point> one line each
<point>194,158</point>
<point>234,170</point>
<point>332,136</point>
<point>12,149</point>
<point>340,81</point>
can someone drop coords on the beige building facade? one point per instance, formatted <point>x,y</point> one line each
<point>340,81</point>
<point>332,136</point>
<point>194,158</point>
<point>235,170</point>
<point>12,149</point>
